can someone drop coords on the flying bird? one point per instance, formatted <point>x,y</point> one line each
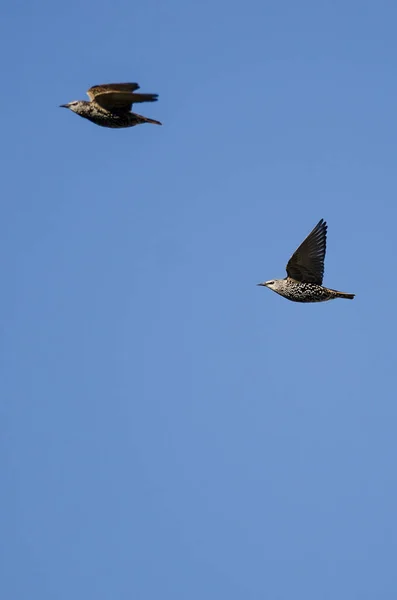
<point>110,105</point>
<point>305,271</point>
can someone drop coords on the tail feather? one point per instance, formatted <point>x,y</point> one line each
<point>142,119</point>
<point>344,295</point>
<point>153,121</point>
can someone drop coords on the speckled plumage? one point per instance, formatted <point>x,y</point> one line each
<point>110,105</point>
<point>305,271</point>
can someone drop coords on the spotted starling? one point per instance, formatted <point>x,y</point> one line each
<point>110,105</point>
<point>305,271</point>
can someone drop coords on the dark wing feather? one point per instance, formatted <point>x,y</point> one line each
<point>109,87</point>
<point>121,100</point>
<point>307,262</point>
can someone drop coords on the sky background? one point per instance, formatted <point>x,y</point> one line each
<point>168,429</point>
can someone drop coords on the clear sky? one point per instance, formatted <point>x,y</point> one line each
<point>168,429</point>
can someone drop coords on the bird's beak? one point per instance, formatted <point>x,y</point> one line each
<point>64,106</point>
<point>264,284</point>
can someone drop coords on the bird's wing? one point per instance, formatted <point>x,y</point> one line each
<point>307,262</point>
<point>118,96</point>
<point>111,87</point>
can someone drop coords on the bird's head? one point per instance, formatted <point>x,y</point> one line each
<point>75,106</point>
<point>270,284</point>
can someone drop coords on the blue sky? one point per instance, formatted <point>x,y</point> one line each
<point>168,429</point>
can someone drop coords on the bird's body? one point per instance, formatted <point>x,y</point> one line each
<point>305,271</point>
<point>110,105</point>
<point>298,291</point>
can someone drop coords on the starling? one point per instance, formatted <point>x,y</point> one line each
<point>305,271</point>
<point>110,105</point>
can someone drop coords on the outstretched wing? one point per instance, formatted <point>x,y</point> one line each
<point>111,87</point>
<point>118,96</point>
<point>307,262</point>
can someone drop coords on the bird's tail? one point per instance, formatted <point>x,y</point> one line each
<point>144,98</point>
<point>343,295</point>
<point>143,119</point>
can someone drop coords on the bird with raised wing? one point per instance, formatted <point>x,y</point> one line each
<point>305,271</point>
<point>110,105</point>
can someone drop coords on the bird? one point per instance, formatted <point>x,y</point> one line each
<point>110,105</point>
<point>305,271</point>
